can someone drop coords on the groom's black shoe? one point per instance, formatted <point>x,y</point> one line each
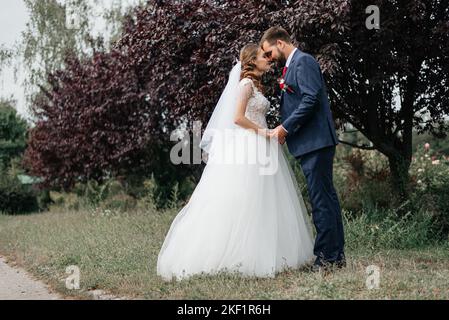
<point>324,268</point>
<point>341,262</point>
<point>317,268</point>
<point>321,265</point>
<point>328,267</point>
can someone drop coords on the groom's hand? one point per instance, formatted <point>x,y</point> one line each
<point>279,133</point>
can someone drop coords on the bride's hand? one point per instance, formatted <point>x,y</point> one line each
<point>265,132</point>
<point>269,133</point>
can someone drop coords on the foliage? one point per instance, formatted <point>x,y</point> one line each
<point>430,176</point>
<point>113,113</point>
<point>5,56</point>
<point>406,60</point>
<point>81,137</point>
<point>56,28</point>
<point>120,202</point>
<point>361,178</point>
<point>15,198</point>
<point>375,229</point>
<point>172,53</point>
<point>440,146</point>
<point>13,130</point>
<point>91,195</point>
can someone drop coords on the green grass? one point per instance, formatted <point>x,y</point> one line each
<point>118,253</point>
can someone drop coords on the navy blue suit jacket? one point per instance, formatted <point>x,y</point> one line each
<point>305,113</point>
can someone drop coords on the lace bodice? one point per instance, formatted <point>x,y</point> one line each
<point>257,105</point>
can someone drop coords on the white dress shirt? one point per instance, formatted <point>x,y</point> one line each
<point>289,59</point>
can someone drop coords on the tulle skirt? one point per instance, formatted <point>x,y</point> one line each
<point>245,216</point>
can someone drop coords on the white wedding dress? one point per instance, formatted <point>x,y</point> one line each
<point>240,218</point>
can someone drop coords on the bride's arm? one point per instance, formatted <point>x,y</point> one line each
<point>240,118</point>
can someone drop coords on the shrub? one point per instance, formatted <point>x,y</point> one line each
<point>120,202</point>
<point>66,200</point>
<point>378,228</point>
<point>15,198</point>
<point>430,179</point>
<point>362,180</point>
<point>93,193</point>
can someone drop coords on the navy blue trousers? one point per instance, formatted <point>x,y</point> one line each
<point>326,212</point>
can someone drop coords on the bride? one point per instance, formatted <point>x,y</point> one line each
<point>246,215</point>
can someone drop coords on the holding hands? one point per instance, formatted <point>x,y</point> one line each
<point>279,133</point>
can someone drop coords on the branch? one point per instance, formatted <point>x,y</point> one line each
<point>45,91</point>
<point>396,131</point>
<point>351,131</point>
<point>363,147</point>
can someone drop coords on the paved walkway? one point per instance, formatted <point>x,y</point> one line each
<point>17,284</point>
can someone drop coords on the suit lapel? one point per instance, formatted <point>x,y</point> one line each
<point>292,62</point>
<point>290,67</point>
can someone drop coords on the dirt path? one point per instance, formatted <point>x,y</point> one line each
<point>17,284</point>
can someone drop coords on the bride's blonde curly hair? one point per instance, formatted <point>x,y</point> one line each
<point>248,56</point>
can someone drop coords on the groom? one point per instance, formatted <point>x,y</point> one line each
<point>308,129</point>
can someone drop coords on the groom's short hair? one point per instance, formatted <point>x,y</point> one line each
<point>274,34</point>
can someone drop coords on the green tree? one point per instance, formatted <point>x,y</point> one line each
<point>13,133</point>
<point>5,56</point>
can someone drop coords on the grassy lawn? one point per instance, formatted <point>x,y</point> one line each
<point>118,253</point>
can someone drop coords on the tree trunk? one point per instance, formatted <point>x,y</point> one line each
<point>400,178</point>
